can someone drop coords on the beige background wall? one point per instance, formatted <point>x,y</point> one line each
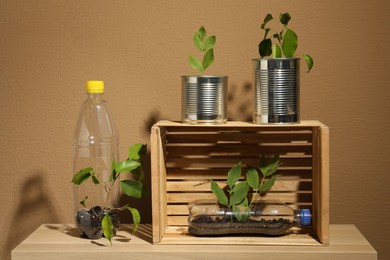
<point>48,49</point>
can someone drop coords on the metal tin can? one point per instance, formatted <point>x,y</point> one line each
<point>204,99</point>
<point>277,90</point>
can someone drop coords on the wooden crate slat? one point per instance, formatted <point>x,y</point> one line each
<point>177,220</point>
<point>220,173</point>
<point>280,185</point>
<point>286,197</point>
<point>228,161</point>
<point>236,126</point>
<point>251,137</point>
<point>239,149</point>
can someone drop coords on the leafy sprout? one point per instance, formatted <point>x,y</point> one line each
<point>132,188</point>
<point>237,196</point>
<point>282,43</point>
<point>206,46</point>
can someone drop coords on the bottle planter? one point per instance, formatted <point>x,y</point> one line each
<point>276,90</point>
<point>271,218</point>
<point>204,99</point>
<point>89,221</point>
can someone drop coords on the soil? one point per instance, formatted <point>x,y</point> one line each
<point>89,221</point>
<point>204,225</point>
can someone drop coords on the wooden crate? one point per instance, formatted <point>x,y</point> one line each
<point>185,156</point>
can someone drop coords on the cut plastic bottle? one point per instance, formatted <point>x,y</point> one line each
<point>272,218</point>
<point>95,145</point>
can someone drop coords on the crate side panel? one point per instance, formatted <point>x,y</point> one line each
<point>321,184</point>
<point>158,175</point>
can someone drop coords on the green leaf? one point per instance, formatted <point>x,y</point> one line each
<point>219,193</point>
<point>268,183</point>
<point>114,174</point>
<point>136,151</point>
<point>209,43</point>
<point>136,218</point>
<point>208,59</point>
<point>290,43</point>
<point>125,166</point>
<point>267,18</point>
<point>95,179</point>
<point>239,193</point>
<point>139,172</point>
<point>195,63</point>
<point>197,41</point>
<point>107,227</point>
<point>276,51</point>
<point>202,33</point>
<point>82,175</point>
<point>234,175</point>
<point>265,48</point>
<point>132,188</point>
<point>237,212</point>
<point>252,177</point>
<point>273,165</point>
<point>269,168</point>
<point>284,18</point>
<point>83,201</point>
<point>263,165</point>
<point>309,61</point>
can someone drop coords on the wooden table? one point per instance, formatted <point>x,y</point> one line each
<point>61,241</point>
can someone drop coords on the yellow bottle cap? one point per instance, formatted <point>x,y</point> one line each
<point>95,86</point>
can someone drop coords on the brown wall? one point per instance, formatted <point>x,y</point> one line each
<point>48,49</point>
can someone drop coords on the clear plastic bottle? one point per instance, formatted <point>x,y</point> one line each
<point>95,145</point>
<point>272,218</point>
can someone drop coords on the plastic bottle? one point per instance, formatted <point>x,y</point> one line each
<point>95,145</point>
<point>272,218</point>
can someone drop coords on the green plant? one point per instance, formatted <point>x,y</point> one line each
<point>131,187</point>
<point>237,197</point>
<point>205,45</point>
<point>286,41</point>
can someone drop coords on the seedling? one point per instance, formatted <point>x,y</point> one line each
<point>281,43</point>
<point>206,45</point>
<point>237,197</point>
<point>131,187</point>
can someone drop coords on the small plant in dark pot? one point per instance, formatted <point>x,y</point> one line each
<point>240,210</point>
<point>94,218</point>
<point>277,79</point>
<point>204,97</point>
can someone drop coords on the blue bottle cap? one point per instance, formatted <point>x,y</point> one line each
<point>305,217</point>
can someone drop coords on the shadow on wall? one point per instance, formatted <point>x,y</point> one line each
<point>153,118</point>
<point>33,209</point>
<point>240,102</point>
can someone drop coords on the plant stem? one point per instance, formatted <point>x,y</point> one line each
<point>107,186</point>
<point>257,192</point>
